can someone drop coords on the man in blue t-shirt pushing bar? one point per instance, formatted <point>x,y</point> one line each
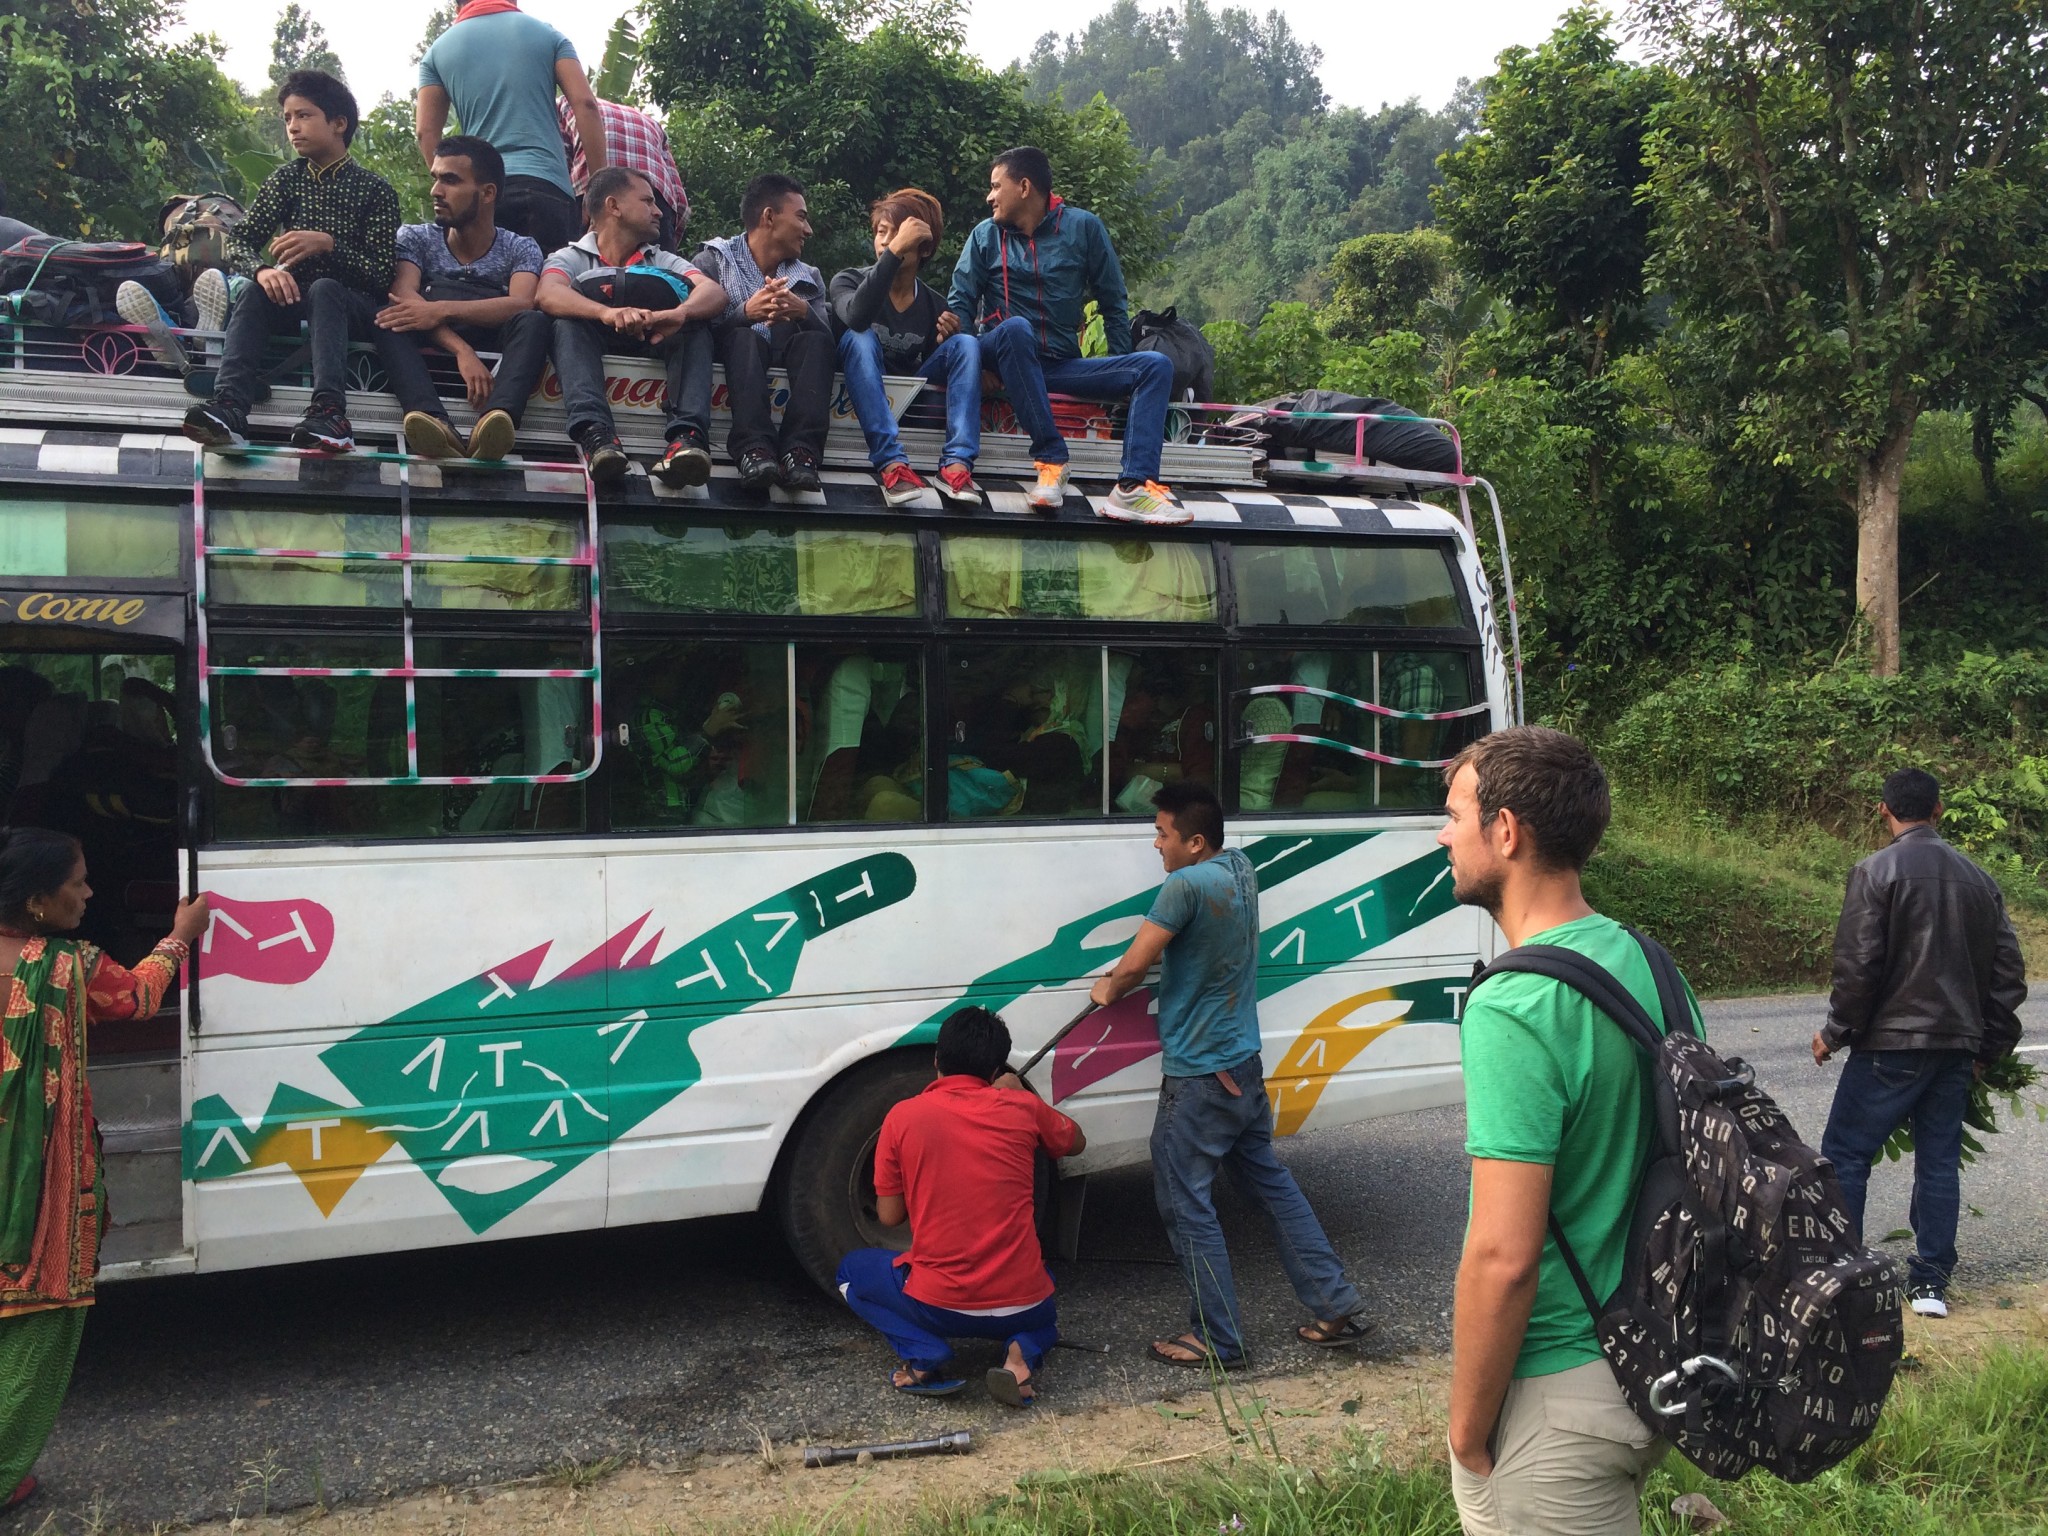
<point>1203,932</point>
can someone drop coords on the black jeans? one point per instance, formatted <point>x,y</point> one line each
<point>580,346</point>
<point>522,341</point>
<point>335,313</point>
<point>540,210</point>
<point>809,355</point>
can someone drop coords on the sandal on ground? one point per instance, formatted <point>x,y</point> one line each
<point>922,1384</point>
<point>1345,1331</point>
<point>1204,1358</point>
<point>1009,1391</point>
<point>24,1490</point>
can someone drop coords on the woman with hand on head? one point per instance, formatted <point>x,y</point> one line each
<point>52,1187</point>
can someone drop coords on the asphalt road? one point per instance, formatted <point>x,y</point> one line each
<point>195,1397</point>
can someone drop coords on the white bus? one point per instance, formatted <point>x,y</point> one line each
<point>579,863</point>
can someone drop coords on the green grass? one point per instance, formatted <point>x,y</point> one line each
<point>1962,1450</point>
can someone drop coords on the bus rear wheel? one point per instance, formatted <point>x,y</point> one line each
<point>827,1197</point>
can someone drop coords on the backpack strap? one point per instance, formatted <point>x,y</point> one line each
<point>1671,993</point>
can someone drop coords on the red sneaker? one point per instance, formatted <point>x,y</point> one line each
<point>901,484</point>
<point>956,483</point>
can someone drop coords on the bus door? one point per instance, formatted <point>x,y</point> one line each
<point>93,689</point>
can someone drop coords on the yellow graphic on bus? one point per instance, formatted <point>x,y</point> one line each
<point>328,1153</point>
<point>1331,1043</point>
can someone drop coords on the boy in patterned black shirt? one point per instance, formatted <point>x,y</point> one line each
<point>332,231</point>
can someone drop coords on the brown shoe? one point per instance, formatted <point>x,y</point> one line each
<point>492,437</point>
<point>432,437</point>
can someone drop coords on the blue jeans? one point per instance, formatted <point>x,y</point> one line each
<point>957,360</point>
<point>579,348</point>
<point>1146,378</point>
<point>1201,1127</point>
<point>1880,1091</point>
<point>872,1282</point>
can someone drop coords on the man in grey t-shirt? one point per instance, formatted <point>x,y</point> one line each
<point>1203,931</point>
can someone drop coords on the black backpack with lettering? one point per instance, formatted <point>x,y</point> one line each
<point>1750,1328</point>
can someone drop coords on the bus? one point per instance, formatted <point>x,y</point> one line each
<point>578,862</point>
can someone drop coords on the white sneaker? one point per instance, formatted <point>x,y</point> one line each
<point>1051,491</point>
<point>211,293</point>
<point>138,306</point>
<point>1928,1302</point>
<point>1146,502</point>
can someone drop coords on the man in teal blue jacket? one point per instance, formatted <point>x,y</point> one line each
<point>1021,282</point>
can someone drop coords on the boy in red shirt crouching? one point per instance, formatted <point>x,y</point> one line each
<point>958,1161</point>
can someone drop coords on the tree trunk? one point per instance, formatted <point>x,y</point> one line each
<point>1878,479</point>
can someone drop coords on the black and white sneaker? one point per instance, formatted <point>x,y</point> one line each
<point>604,453</point>
<point>216,424</point>
<point>800,471</point>
<point>1928,1301</point>
<point>758,470</point>
<point>686,463</point>
<point>324,428</point>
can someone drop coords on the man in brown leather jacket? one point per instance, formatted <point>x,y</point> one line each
<point>1928,981</point>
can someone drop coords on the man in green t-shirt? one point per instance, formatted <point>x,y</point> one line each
<point>1558,1121</point>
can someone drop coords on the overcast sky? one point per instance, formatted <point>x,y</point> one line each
<point>1373,50</point>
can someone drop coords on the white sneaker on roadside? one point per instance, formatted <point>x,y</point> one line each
<point>138,306</point>
<point>1928,1302</point>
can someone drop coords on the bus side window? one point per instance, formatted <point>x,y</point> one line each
<point>706,733</point>
<point>1024,732</point>
<point>1162,711</point>
<point>861,718</point>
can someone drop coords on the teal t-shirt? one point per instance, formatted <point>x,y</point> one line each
<point>499,72</point>
<point>1551,1079</point>
<point>1209,976</point>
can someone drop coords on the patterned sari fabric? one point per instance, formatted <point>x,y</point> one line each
<point>52,1196</point>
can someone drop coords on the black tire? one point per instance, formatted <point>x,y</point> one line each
<point>826,1197</point>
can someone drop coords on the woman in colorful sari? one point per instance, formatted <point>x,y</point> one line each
<point>53,1198</point>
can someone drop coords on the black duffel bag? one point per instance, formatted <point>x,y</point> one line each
<point>1402,444</point>
<point>1193,359</point>
<point>73,282</point>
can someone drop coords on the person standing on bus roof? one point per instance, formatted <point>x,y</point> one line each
<point>891,322</point>
<point>959,1162</point>
<point>499,69</point>
<point>616,290</point>
<point>1203,933</point>
<point>775,317</point>
<point>465,283</point>
<point>53,1198</point>
<point>332,231</point>
<point>1021,282</point>
<point>632,138</point>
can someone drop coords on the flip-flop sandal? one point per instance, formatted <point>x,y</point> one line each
<point>934,1388</point>
<point>1009,1391</point>
<point>1349,1332</point>
<point>1204,1356</point>
<point>24,1490</point>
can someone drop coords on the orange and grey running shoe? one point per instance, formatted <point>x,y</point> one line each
<point>1051,490</point>
<point>1145,501</point>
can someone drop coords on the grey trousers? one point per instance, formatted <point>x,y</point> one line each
<point>1569,1459</point>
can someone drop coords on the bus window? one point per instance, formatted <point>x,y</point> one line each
<point>53,537</point>
<point>294,580</point>
<point>1162,724</point>
<point>1316,772</point>
<point>663,565</point>
<point>1345,584</point>
<point>706,733</point>
<point>503,588</point>
<point>998,576</point>
<point>502,726</point>
<point>1024,732</point>
<point>860,722</point>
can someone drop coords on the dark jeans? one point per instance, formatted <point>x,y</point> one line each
<point>1145,378</point>
<point>580,346</point>
<point>957,360</point>
<point>1200,1128</point>
<point>1880,1091</point>
<point>522,342</point>
<point>807,353</point>
<point>540,210</point>
<point>872,1282</point>
<point>333,312</point>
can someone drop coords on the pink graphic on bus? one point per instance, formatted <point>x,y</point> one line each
<point>280,942</point>
<point>1108,1040</point>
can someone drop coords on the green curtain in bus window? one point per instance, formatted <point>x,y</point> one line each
<point>993,576</point>
<point>672,568</point>
<point>1345,584</point>
<point>89,538</point>
<point>515,588</point>
<point>296,581</point>
<point>856,573</point>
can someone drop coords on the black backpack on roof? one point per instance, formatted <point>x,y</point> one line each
<point>1183,344</point>
<point>73,282</point>
<point>1750,1328</point>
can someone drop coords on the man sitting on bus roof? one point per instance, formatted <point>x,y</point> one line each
<point>332,231</point>
<point>465,283</point>
<point>615,290</point>
<point>959,1161</point>
<point>1022,281</point>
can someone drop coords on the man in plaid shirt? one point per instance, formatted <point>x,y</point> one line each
<point>639,143</point>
